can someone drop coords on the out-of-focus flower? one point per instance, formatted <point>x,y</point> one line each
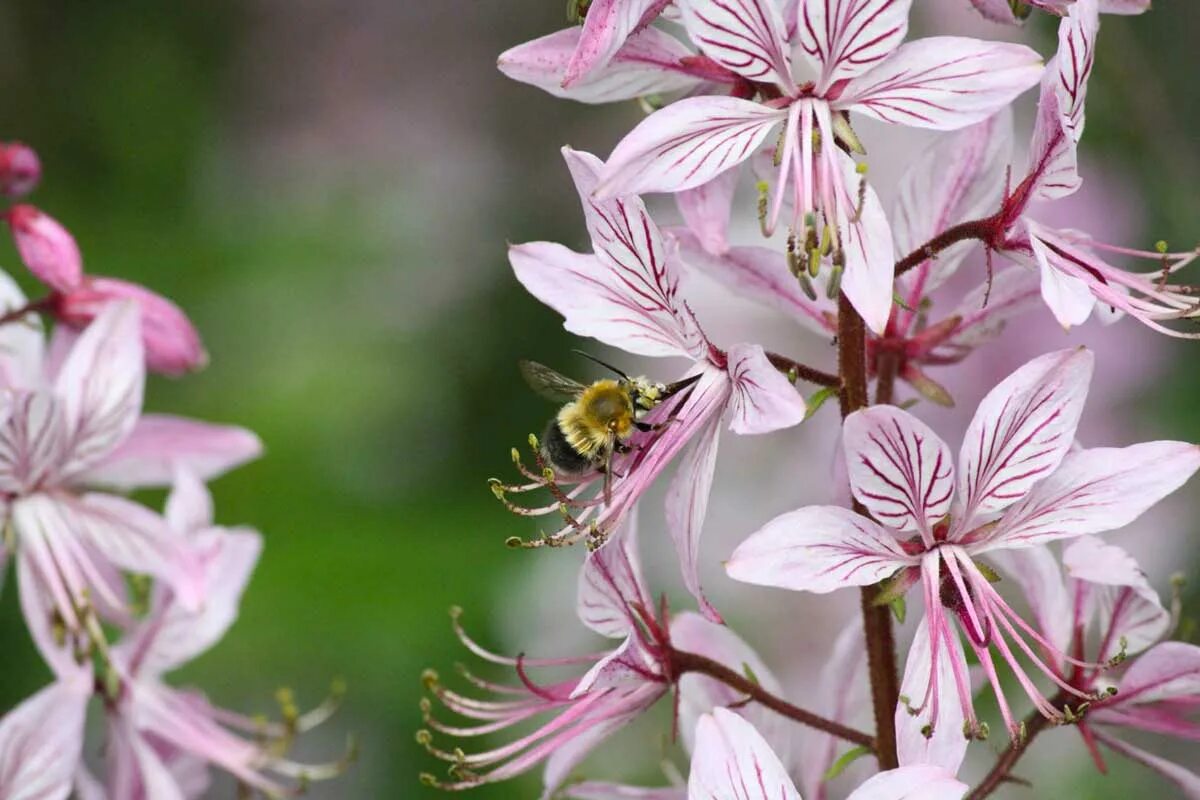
<point>47,248</point>
<point>1105,609</point>
<point>1017,486</point>
<point>942,83</point>
<point>20,169</point>
<point>1016,11</point>
<point>78,424</point>
<point>626,294</point>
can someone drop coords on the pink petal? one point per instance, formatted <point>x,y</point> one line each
<point>687,502</point>
<point>100,386</point>
<point>41,741</point>
<point>148,772</point>
<point>41,615</point>
<point>611,586</point>
<point>32,440</point>
<point>916,782</point>
<point>996,11</point>
<point>1075,58</point>
<point>867,243</point>
<point>745,36</point>
<point>706,210</point>
<point>648,63</point>
<point>845,38</point>
<point>23,346</point>
<point>47,248</point>
<point>760,274</point>
<point>160,444</point>
<point>596,790</point>
<point>1053,159</point>
<point>189,507</point>
<point>1012,292</point>
<point>899,468</point>
<point>843,691</point>
<point>1185,779</point>
<point>946,746</point>
<point>1096,490</point>
<point>1068,297</point>
<point>699,695</point>
<point>818,549</point>
<point>733,762</point>
<point>943,82</point>
<point>607,25</point>
<point>1169,671</point>
<point>959,177</point>
<point>763,400</point>
<point>686,145</point>
<point>1036,571</point>
<point>1022,430</point>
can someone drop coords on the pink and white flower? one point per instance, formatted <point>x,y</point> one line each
<point>1018,485</point>
<point>942,83</point>
<point>626,294</point>
<point>1014,12</point>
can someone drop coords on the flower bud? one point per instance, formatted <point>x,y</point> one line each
<point>47,249</point>
<point>171,342</point>
<point>20,169</point>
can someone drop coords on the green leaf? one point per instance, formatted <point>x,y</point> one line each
<point>818,398</point>
<point>899,608</point>
<point>847,758</point>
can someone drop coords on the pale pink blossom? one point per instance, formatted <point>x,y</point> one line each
<point>1017,486</point>
<point>1016,11</point>
<point>47,248</point>
<point>942,83</point>
<point>20,169</point>
<point>627,294</point>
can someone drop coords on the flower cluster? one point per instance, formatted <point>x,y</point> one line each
<point>115,594</point>
<point>998,546</point>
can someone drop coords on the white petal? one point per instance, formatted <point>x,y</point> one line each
<point>868,247</point>
<point>946,746</point>
<point>917,782</point>
<point>611,583</point>
<point>1170,671</point>
<point>40,743</point>
<point>22,344</point>
<point>734,762</point>
<point>846,38</point>
<point>746,36</point>
<point>605,29</point>
<point>706,210</point>
<point>763,400</point>
<point>1187,781</point>
<point>1130,612</point>
<point>1068,297</point>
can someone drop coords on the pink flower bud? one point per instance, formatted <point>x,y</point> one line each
<point>171,342</point>
<point>20,169</point>
<point>46,247</point>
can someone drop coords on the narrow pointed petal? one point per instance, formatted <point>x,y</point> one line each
<point>686,145</point>
<point>650,62</point>
<point>706,210</point>
<point>733,762</point>
<point>1096,490</point>
<point>959,177</point>
<point>687,505</point>
<point>41,741</point>
<point>159,444</point>
<point>699,695</point>
<point>607,26</point>
<point>100,386</point>
<point>189,507</point>
<point>1168,671</point>
<point>945,746</point>
<point>760,274</point>
<point>745,36</point>
<point>1075,58</point>
<point>1022,430</point>
<point>763,400</point>
<point>1011,293</point>
<point>818,549</point>
<point>1187,781</point>
<point>611,585</point>
<point>899,468</point>
<point>1068,297</point>
<point>23,346</point>
<point>867,243</point>
<point>845,38</point>
<point>943,82</point>
<point>916,782</point>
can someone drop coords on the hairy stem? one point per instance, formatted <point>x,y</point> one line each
<point>803,371</point>
<point>886,366</point>
<point>684,662</point>
<point>1034,724</point>
<point>877,620</point>
<point>982,229</point>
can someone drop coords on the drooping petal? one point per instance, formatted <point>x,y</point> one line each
<point>687,504</point>
<point>746,36</point>
<point>845,38</point>
<point>100,386</point>
<point>733,762</point>
<point>945,745</point>
<point>899,468</point>
<point>763,400</point>
<point>699,695</point>
<point>189,507</point>
<point>1168,671</point>
<point>1022,430</point>
<point>916,782</point>
<point>943,82</point>
<point>1036,571</point>
<point>706,210</point>
<point>1067,296</point>
<point>23,345</point>
<point>868,247</point>
<point>611,585</point>
<point>41,741</point>
<point>1185,779</point>
<point>818,549</point>
<point>1096,490</point>
<point>760,274</point>
<point>648,63</point>
<point>687,144</point>
<point>159,444</point>
<point>959,177</point>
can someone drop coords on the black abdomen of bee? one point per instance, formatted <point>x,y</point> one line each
<point>558,451</point>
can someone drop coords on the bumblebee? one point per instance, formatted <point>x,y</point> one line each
<point>598,419</point>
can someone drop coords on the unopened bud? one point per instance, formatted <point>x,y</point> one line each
<point>171,343</point>
<point>20,169</point>
<point>47,248</point>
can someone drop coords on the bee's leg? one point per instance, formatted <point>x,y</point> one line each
<point>648,427</point>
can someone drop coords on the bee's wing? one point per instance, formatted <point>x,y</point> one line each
<point>548,383</point>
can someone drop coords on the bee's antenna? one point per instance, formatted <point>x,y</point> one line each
<point>605,364</point>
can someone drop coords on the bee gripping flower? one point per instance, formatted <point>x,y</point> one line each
<point>1017,485</point>
<point>20,169</point>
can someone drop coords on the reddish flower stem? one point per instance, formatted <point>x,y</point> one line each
<point>683,662</point>
<point>1034,724</point>
<point>877,620</point>
<point>33,306</point>
<point>985,230</point>
<point>803,371</point>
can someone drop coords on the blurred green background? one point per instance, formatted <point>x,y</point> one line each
<point>327,187</point>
